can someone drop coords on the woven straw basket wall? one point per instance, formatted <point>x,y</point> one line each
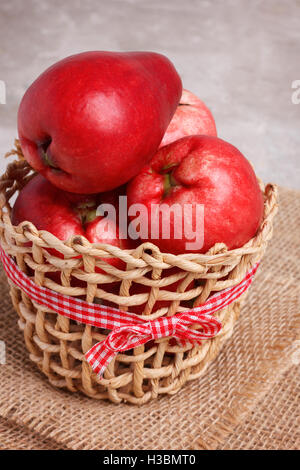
<point>57,345</point>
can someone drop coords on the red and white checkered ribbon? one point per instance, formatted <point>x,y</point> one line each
<point>128,329</point>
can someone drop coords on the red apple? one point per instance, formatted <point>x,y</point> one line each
<point>194,171</point>
<point>66,215</point>
<point>191,117</point>
<point>90,122</point>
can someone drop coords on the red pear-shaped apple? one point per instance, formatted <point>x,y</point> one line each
<point>90,122</point>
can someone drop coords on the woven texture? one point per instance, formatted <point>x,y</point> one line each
<point>273,425</point>
<point>58,345</point>
<point>15,437</point>
<point>207,411</point>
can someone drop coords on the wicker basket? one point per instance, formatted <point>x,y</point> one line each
<point>57,345</point>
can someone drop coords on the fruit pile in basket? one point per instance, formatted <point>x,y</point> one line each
<point>132,245</point>
<point>124,155</point>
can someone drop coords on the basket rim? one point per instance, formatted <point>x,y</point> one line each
<point>78,244</point>
<point>144,374</point>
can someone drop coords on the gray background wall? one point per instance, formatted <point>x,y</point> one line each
<point>239,56</point>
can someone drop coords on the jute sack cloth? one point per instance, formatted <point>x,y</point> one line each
<point>15,437</point>
<point>273,425</point>
<point>205,413</point>
<point>275,422</point>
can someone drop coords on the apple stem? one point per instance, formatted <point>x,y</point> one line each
<point>43,150</point>
<point>47,160</point>
<point>90,216</point>
<point>169,183</point>
<point>87,211</point>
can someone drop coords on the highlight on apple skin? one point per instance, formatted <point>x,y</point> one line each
<point>91,121</point>
<point>192,117</point>
<point>66,215</point>
<point>206,171</point>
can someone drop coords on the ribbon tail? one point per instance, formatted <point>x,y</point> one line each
<point>102,353</point>
<point>99,356</point>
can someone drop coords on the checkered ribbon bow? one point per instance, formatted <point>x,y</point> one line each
<point>128,329</point>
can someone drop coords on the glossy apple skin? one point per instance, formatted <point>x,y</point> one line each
<point>98,116</point>
<point>192,117</point>
<point>56,211</point>
<point>208,171</point>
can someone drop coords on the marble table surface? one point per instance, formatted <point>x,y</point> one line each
<point>241,57</point>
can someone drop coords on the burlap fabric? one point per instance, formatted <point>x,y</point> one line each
<point>206,413</point>
<point>274,424</point>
